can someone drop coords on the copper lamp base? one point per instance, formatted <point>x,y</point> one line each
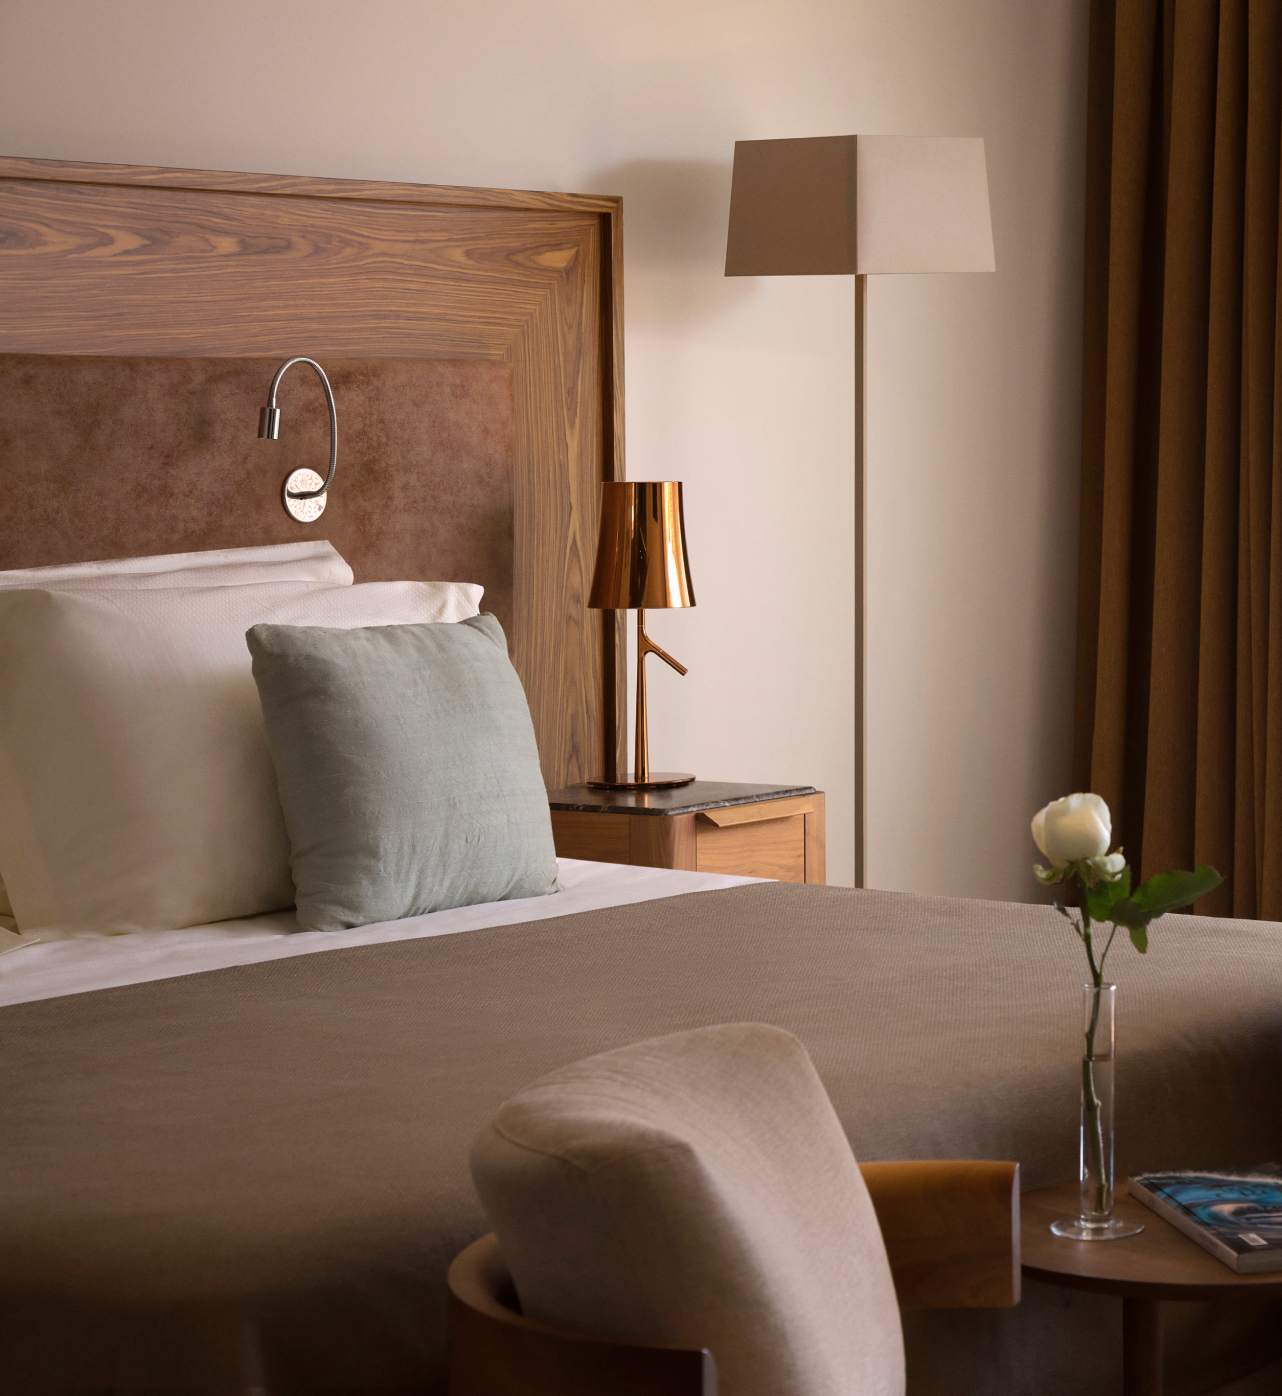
<point>655,780</point>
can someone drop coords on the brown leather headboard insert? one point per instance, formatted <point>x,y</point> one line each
<point>474,341</point>
<point>161,455</point>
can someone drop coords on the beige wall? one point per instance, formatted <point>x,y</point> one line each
<point>741,388</point>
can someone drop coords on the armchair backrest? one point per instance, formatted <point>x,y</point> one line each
<point>697,1191</point>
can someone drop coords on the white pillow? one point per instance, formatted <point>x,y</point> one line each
<point>315,560</point>
<point>139,790</point>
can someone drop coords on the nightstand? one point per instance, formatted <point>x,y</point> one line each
<point>708,826</point>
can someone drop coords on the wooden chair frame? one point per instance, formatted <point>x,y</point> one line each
<point>952,1236</point>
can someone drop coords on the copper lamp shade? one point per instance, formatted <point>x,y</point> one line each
<point>641,553</point>
<point>641,564</point>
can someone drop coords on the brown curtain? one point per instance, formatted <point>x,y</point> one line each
<point>1179,689</point>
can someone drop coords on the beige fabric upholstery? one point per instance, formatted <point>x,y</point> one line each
<point>697,1190</point>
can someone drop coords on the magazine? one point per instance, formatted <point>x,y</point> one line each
<point>1236,1214</point>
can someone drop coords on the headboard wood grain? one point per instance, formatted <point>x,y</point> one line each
<point>501,309</point>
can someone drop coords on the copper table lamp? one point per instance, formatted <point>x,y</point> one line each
<point>641,564</point>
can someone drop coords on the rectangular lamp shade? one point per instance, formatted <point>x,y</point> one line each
<point>843,205</point>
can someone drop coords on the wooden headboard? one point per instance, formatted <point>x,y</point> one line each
<point>475,343</point>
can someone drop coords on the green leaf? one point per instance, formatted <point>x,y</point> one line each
<point>1139,938</point>
<point>1170,890</point>
<point>1129,913</point>
<point>1160,894</point>
<point>1104,896</point>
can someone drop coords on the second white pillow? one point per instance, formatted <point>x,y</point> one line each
<point>315,560</point>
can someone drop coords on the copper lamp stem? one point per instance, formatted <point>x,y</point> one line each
<point>641,755</point>
<point>646,646</point>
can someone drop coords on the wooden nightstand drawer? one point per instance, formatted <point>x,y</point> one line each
<point>754,840</point>
<point>597,838</point>
<point>744,830</point>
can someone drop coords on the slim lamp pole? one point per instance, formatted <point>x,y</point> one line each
<point>861,627</point>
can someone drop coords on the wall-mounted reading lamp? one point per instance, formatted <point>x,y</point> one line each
<point>303,493</point>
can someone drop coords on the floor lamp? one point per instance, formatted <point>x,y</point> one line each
<point>859,205</point>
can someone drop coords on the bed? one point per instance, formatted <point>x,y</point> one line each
<point>252,1178</point>
<point>235,1155</point>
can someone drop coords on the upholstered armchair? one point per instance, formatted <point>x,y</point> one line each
<point>685,1216</point>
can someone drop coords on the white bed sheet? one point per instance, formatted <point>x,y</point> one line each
<point>52,966</point>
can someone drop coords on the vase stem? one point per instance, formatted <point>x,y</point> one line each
<point>1096,1182</point>
<point>1095,1157</point>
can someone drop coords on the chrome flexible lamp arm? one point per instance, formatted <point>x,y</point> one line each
<point>303,494</point>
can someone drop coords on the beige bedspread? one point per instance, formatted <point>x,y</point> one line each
<point>252,1180</point>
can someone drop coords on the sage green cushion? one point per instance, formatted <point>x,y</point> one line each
<point>407,769</point>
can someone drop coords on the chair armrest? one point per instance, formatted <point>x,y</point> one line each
<point>951,1231</point>
<point>494,1350</point>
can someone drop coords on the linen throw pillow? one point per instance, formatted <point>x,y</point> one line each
<point>407,767</point>
<point>138,791</point>
<point>314,560</point>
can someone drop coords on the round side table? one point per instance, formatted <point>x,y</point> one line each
<point>1160,1263</point>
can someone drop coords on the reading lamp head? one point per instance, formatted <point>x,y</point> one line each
<point>304,492</point>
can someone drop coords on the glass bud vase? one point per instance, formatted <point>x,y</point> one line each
<point>1095,1220</point>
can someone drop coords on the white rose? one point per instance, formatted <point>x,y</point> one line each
<point>1073,829</point>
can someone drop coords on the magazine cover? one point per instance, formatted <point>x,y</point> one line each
<point>1236,1214</point>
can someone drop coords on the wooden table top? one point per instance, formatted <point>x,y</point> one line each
<point>682,799</point>
<point>1159,1263</point>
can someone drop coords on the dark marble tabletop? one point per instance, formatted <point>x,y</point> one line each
<point>684,799</point>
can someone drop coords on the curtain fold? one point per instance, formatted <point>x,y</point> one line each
<point>1179,675</point>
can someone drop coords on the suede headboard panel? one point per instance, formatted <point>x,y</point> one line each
<point>474,338</point>
<point>152,455</point>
